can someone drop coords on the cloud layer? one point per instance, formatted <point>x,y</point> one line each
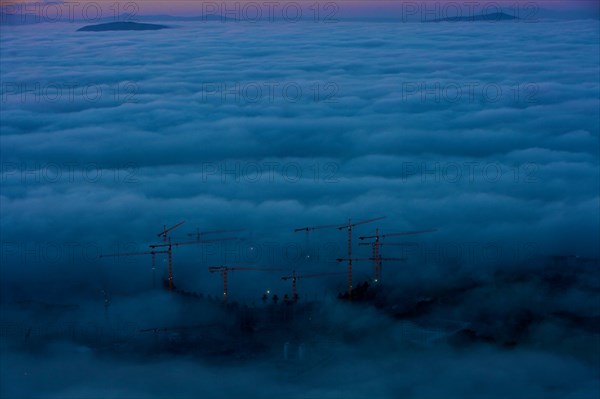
<point>488,132</point>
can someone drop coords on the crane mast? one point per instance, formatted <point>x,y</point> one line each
<point>349,227</point>
<point>349,259</point>
<point>294,277</point>
<point>377,243</point>
<point>225,269</point>
<point>153,253</point>
<point>163,233</point>
<point>169,251</point>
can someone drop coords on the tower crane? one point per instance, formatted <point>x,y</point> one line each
<point>402,233</point>
<point>169,251</point>
<point>376,243</point>
<point>313,228</point>
<point>153,253</point>
<point>225,269</point>
<point>199,233</point>
<point>348,226</point>
<point>294,277</point>
<point>377,261</point>
<point>163,233</point>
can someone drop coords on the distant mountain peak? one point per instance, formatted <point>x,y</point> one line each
<point>495,16</point>
<point>111,26</point>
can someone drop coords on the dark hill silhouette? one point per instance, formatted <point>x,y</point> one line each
<point>121,26</point>
<point>496,16</point>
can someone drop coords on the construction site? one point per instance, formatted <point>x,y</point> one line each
<point>280,320</point>
<point>355,309</point>
<point>359,303</point>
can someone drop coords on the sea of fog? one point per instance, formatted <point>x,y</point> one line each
<point>486,131</point>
